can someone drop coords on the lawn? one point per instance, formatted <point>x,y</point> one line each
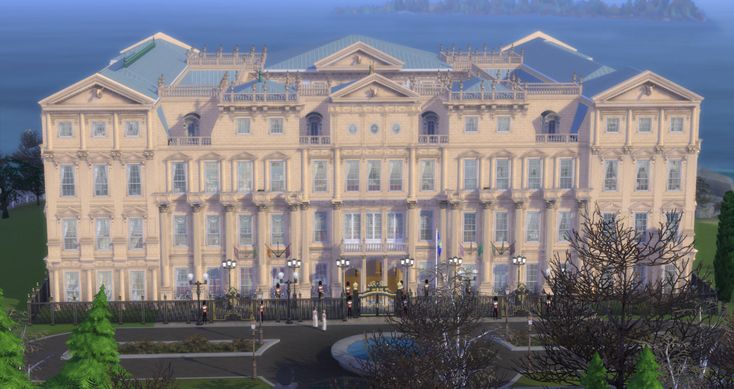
<point>40,330</point>
<point>527,382</point>
<point>23,245</point>
<point>706,246</point>
<point>221,383</point>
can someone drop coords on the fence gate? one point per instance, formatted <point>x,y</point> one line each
<point>376,303</point>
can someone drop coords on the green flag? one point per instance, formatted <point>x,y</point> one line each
<point>480,250</point>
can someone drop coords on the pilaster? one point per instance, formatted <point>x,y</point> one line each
<point>164,213</point>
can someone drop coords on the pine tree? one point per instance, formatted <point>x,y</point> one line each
<point>724,259</point>
<point>646,373</point>
<point>93,347</point>
<point>11,354</point>
<point>596,374</point>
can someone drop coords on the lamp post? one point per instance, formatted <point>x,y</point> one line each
<point>407,263</point>
<point>253,325</point>
<point>228,265</point>
<point>455,262</point>
<point>519,261</point>
<point>343,263</point>
<point>198,285</point>
<point>293,264</point>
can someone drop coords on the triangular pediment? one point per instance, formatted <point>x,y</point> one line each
<point>358,56</point>
<point>277,155</point>
<point>243,156</point>
<point>375,88</point>
<point>96,90</point>
<point>647,87</point>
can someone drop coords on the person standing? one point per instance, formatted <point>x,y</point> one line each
<point>426,286</point>
<point>262,311</point>
<point>495,308</point>
<point>323,319</point>
<point>204,312</point>
<point>315,318</point>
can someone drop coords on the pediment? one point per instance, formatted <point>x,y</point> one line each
<point>212,156</point>
<point>243,156</point>
<point>96,90</point>
<point>375,88</point>
<point>533,153</point>
<point>358,56</point>
<point>640,206</point>
<point>565,153</point>
<point>648,87</point>
<point>177,157</point>
<point>68,212</point>
<point>277,156</point>
<point>101,211</point>
<point>134,211</point>
<point>469,154</point>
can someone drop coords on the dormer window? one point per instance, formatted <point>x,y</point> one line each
<point>430,123</point>
<point>191,124</point>
<point>314,121</point>
<point>550,121</point>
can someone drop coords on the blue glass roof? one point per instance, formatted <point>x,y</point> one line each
<point>556,62</point>
<point>260,86</point>
<point>412,58</point>
<point>600,84</point>
<point>206,77</point>
<point>578,118</point>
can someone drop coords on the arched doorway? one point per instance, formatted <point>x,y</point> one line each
<point>314,121</point>
<point>430,123</point>
<point>191,124</point>
<point>550,121</point>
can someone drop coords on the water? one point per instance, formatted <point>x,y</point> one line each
<point>46,46</point>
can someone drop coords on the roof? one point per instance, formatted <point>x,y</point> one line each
<point>206,77</point>
<point>556,62</point>
<point>263,86</point>
<point>579,117</point>
<point>599,84</point>
<point>164,58</point>
<point>411,57</point>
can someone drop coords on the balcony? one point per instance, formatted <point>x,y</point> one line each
<point>373,247</point>
<point>315,140</point>
<point>433,139</point>
<point>190,141</point>
<point>259,97</point>
<point>556,138</point>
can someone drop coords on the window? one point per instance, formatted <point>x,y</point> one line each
<point>396,176</point>
<point>183,289</point>
<point>373,176</point>
<point>612,124</point>
<point>639,274</point>
<point>180,231</point>
<point>248,280</point>
<point>276,126</point>
<point>676,124</point>
<point>132,128</point>
<point>609,223</point>
<point>242,126</point>
<point>72,291</point>
<point>135,233</point>
<point>430,123</point>
<point>321,274</point>
<point>502,173</point>
<point>215,281</point>
<point>67,181</point>
<point>566,173</point>
<point>179,177</point>
<point>470,227</point>
<point>534,173</point>
<point>68,229</point>
<point>610,175</point>
<point>503,123</point>
<point>644,124</point>
<point>320,227</point>
<point>352,227</point>
<point>244,176</point>
<point>471,124</point>
<point>211,176</point>
<point>245,230</point>
<point>672,220</point>
<point>641,224</point>
<point>314,120</point>
<point>499,274</point>
<point>642,178</point>
<point>352,176</point>
<point>395,227</point>
<point>500,227</point>
<point>99,129</point>
<point>674,174</point>
<point>532,227</point>
<point>374,128</point>
<point>426,225</point>
<point>137,285</point>
<point>103,233</point>
<point>277,176</point>
<point>277,229</point>
<point>373,225</point>
<point>470,174</point>
<point>191,124</point>
<point>565,228</point>
<point>104,278</point>
<point>100,180</point>
<point>428,175</point>
<point>134,182</point>
<point>319,176</point>
<point>64,129</point>
<point>213,230</point>
<point>352,129</point>
<point>531,277</point>
<point>396,128</point>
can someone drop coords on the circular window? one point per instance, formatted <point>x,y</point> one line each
<point>396,128</point>
<point>374,128</point>
<point>352,129</point>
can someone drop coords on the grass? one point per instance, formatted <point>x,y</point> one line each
<point>525,381</point>
<point>706,246</point>
<point>23,245</point>
<point>221,383</point>
<point>38,330</point>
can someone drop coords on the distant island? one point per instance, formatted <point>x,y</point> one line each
<point>685,10</point>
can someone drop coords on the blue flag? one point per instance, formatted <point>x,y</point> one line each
<point>439,245</point>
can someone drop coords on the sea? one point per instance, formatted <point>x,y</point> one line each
<point>47,45</point>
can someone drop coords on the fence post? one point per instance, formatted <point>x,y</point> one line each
<point>30,314</point>
<point>119,309</point>
<point>51,306</point>
<point>142,310</point>
<point>165,310</point>
<point>73,306</point>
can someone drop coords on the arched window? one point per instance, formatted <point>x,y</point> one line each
<point>430,123</point>
<point>191,124</point>
<point>551,122</point>
<point>314,120</point>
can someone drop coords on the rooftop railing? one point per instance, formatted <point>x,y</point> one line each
<point>463,60</point>
<point>190,141</point>
<point>315,140</point>
<point>252,60</point>
<point>259,97</point>
<point>188,91</point>
<point>553,89</point>
<point>433,139</point>
<point>556,138</point>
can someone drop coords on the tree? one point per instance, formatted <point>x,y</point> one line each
<point>29,164</point>
<point>94,356</point>
<point>438,343</point>
<point>596,374</point>
<point>724,258</point>
<point>616,290</point>
<point>11,353</point>
<point>646,374</point>
<point>8,180</point>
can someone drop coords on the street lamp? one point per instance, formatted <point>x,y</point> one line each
<point>253,325</point>
<point>407,263</point>
<point>198,285</point>
<point>343,263</point>
<point>455,262</point>
<point>519,260</point>
<point>228,265</point>
<point>293,264</point>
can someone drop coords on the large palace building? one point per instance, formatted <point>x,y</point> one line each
<point>171,159</point>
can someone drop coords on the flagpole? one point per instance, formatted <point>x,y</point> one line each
<point>435,278</point>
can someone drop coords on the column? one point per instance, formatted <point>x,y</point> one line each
<point>385,270</point>
<point>197,224</point>
<point>82,132</point>
<point>121,284</point>
<point>149,132</point>
<point>262,260</point>
<point>338,184</point>
<point>56,293</point>
<point>50,134</point>
<point>661,131</point>
<point>164,215</point>
<point>443,216</point>
<point>519,227</point>
<point>336,234</point>
<point>154,282</point>
<point>628,132</point>
<point>115,132</point>
<point>412,174</point>
<point>444,168</point>
<point>456,227</point>
<point>550,232</point>
<point>412,236</point>
<point>363,275</point>
<point>304,278</point>
<point>90,285</point>
<point>485,282</point>
<point>305,179</point>
<point>230,231</point>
